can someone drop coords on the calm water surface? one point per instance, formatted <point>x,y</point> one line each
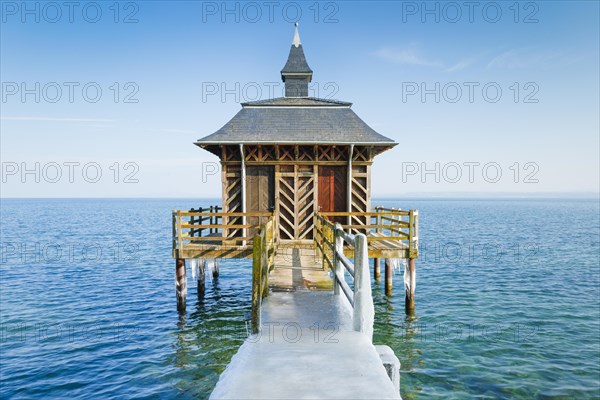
<point>508,303</point>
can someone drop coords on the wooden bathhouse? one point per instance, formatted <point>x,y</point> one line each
<point>296,155</point>
<point>292,168</point>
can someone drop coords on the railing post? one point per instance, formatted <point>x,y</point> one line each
<point>413,242</point>
<point>339,248</point>
<point>364,311</point>
<point>256,283</point>
<point>264,268</point>
<point>179,233</point>
<point>174,232</point>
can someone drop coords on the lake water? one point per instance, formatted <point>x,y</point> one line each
<point>508,302</point>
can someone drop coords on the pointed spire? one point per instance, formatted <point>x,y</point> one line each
<point>296,73</point>
<point>296,41</point>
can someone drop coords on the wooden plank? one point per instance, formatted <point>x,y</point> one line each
<point>227,214</point>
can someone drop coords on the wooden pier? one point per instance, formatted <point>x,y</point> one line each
<point>301,294</point>
<point>307,328</point>
<point>296,200</point>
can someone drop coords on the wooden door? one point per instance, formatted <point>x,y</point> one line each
<point>333,191</point>
<point>260,194</point>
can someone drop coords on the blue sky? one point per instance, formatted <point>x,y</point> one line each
<point>171,62</point>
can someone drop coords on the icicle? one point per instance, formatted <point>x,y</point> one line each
<point>194,266</point>
<point>211,267</point>
<point>406,276</point>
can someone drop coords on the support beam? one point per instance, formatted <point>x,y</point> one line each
<point>243,174</point>
<point>256,283</point>
<point>349,184</point>
<point>388,277</point>
<point>376,269</point>
<point>180,284</point>
<point>410,289</point>
<point>201,277</point>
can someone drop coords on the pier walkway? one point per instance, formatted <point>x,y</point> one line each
<point>307,346</point>
<point>307,349</point>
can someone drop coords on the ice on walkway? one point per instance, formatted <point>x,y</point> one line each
<point>306,350</point>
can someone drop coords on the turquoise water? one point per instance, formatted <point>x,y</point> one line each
<point>508,303</point>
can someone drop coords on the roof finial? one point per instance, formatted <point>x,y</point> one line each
<point>296,41</point>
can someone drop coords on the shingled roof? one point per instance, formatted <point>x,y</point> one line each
<point>297,120</point>
<point>296,62</point>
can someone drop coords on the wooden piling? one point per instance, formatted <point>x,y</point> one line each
<point>201,277</point>
<point>388,277</point>
<point>376,269</point>
<point>180,284</point>
<point>409,303</point>
<point>256,283</point>
<point>215,272</point>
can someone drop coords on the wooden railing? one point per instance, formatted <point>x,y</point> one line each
<point>263,254</point>
<point>383,225</point>
<point>210,226</point>
<point>332,247</point>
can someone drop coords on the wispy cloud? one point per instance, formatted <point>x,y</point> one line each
<point>410,56</point>
<point>405,56</point>
<point>177,131</point>
<point>517,59</point>
<point>460,65</point>
<point>49,119</point>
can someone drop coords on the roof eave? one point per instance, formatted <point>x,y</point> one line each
<point>285,142</point>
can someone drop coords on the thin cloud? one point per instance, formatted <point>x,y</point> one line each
<point>411,57</point>
<point>48,119</point>
<point>517,59</point>
<point>460,65</point>
<point>405,56</point>
<point>177,131</point>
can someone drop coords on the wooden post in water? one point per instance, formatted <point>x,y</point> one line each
<point>215,272</point>
<point>201,277</point>
<point>339,249</point>
<point>409,303</point>
<point>376,269</point>
<point>388,277</point>
<point>413,239</point>
<point>256,283</point>
<point>180,284</point>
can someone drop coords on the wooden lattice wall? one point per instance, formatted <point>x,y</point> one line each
<point>296,170</point>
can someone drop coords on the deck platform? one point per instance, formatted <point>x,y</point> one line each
<point>299,268</point>
<point>306,350</point>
